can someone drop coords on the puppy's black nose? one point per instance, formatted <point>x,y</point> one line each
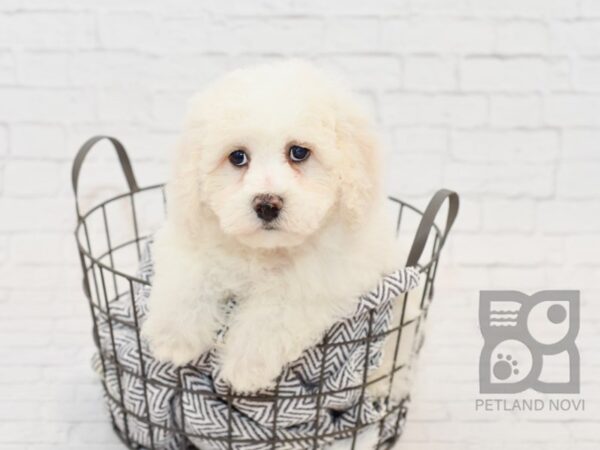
<point>267,206</point>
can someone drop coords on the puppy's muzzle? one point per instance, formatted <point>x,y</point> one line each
<point>267,206</point>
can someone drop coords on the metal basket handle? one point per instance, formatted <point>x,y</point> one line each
<point>427,221</point>
<point>123,159</point>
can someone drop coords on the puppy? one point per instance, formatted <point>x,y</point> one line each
<point>275,200</point>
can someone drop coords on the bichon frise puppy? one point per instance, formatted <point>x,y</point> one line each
<point>276,201</point>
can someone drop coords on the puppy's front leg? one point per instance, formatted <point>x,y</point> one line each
<point>267,332</point>
<point>257,346</point>
<point>184,304</point>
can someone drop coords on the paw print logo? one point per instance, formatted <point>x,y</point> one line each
<point>505,366</point>
<point>524,339</point>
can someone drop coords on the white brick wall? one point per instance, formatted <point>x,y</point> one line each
<point>499,100</point>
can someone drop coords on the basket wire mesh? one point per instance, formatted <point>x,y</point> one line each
<point>110,238</point>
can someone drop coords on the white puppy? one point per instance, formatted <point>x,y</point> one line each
<point>275,200</point>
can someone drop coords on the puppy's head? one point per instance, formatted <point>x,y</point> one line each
<point>273,153</point>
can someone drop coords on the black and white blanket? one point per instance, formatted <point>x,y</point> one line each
<point>191,401</point>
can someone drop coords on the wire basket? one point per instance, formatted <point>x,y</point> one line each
<point>111,237</point>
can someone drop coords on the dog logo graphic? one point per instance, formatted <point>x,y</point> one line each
<point>529,342</point>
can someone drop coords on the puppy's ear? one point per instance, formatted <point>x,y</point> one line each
<point>185,180</point>
<point>360,171</point>
<point>182,188</point>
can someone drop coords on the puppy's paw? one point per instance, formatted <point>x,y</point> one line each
<point>174,344</point>
<point>249,372</point>
<point>248,365</point>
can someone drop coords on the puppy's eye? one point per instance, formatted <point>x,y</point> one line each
<point>299,154</point>
<point>238,158</point>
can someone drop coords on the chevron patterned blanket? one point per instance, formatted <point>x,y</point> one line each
<point>165,407</point>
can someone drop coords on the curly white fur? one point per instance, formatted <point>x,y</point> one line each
<point>331,242</point>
